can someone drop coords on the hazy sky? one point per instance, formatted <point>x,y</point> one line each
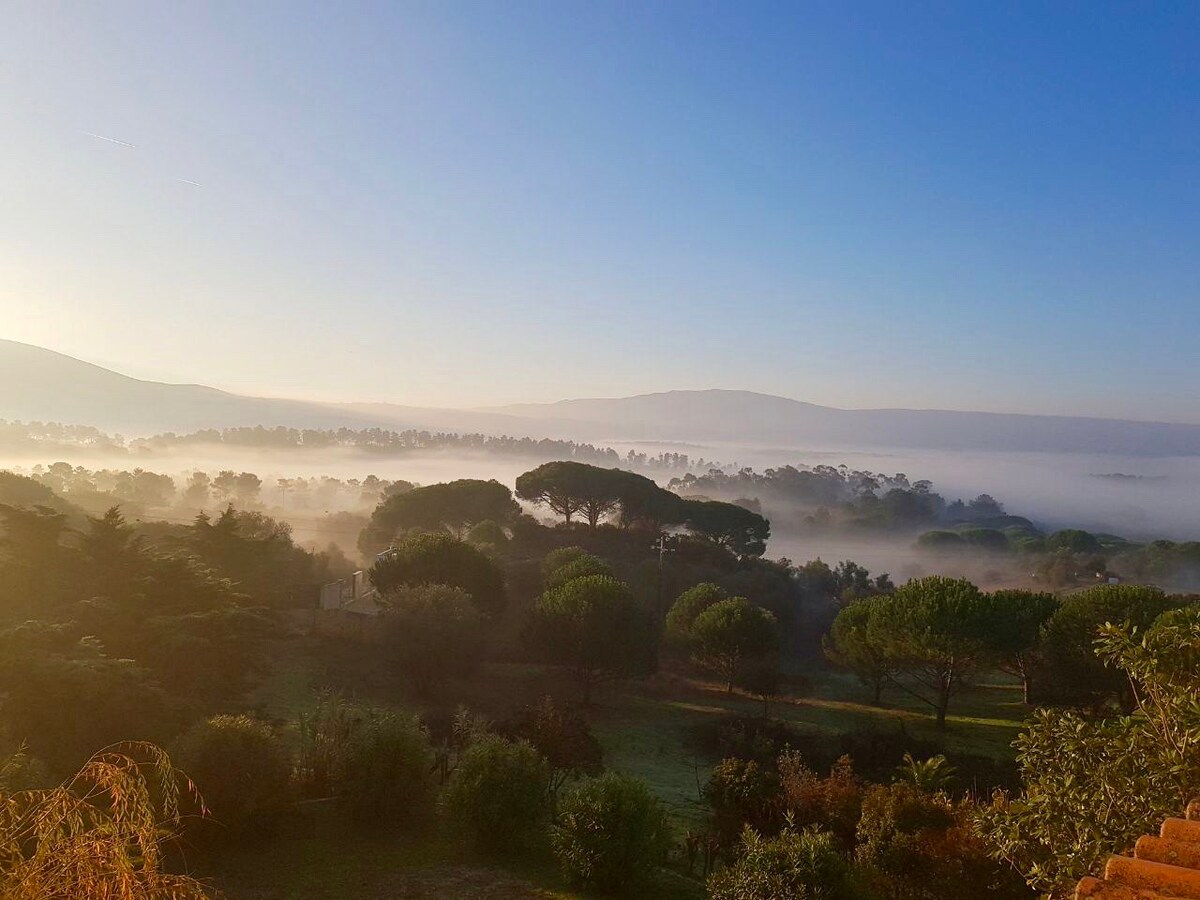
<point>986,206</point>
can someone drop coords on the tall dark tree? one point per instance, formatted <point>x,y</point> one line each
<point>849,645</point>
<point>567,488</point>
<point>1016,619</point>
<point>731,633</point>
<point>113,555</point>
<point>728,525</point>
<point>934,633</point>
<point>454,506</point>
<point>32,560</point>
<point>1070,672</point>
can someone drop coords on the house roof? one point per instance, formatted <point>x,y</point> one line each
<point>1163,867</point>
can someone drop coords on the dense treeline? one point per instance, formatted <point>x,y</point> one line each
<point>823,497</point>
<point>51,437</point>
<point>385,441</point>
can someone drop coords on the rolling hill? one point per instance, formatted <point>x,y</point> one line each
<point>39,384</point>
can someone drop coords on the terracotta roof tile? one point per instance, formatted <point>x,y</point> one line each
<point>1166,867</point>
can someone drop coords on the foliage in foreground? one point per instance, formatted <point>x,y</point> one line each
<point>803,865</point>
<point>913,843</point>
<point>99,835</point>
<point>1092,787</point>
<point>612,832</point>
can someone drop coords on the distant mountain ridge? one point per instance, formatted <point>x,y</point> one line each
<point>764,418</point>
<point>41,385</point>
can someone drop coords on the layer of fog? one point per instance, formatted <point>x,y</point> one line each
<point>1054,490</point>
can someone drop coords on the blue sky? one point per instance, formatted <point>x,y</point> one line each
<point>973,206</point>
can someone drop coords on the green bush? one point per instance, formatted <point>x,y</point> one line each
<point>799,865</point>
<point>240,767</point>
<point>612,832</point>
<point>382,772</point>
<point>498,797</point>
<point>743,793</point>
<point>432,632</point>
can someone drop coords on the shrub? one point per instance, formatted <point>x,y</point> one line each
<point>382,773</point>
<point>799,865</point>
<point>22,772</point>
<point>66,705</point>
<point>742,792</point>
<point>563,737</point>
<point>324,733</point>
<point>912,843</point>
<point>831,804</point>
<point>930,775</point>
<point>488,533</point>
<point>746,737</point>
<point>240,766</point>
<point>498,797</point>
<point>432,632</point>
<point>611,833</point>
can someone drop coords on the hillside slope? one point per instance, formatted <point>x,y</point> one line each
<point>39,384</point>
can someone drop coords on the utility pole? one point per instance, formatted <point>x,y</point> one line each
<point>663,550</point>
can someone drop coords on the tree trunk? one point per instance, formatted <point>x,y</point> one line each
<point>878,701</point>
<point>945,687</point>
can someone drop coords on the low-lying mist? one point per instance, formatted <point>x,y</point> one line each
<point>1138,498</point>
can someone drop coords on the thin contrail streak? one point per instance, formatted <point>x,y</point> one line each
<point>192,183</point>
<point>111,140</point>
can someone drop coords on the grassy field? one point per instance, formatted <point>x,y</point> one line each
<point>648,729</point>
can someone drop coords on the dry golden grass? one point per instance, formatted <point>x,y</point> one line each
<point>99,835</point>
